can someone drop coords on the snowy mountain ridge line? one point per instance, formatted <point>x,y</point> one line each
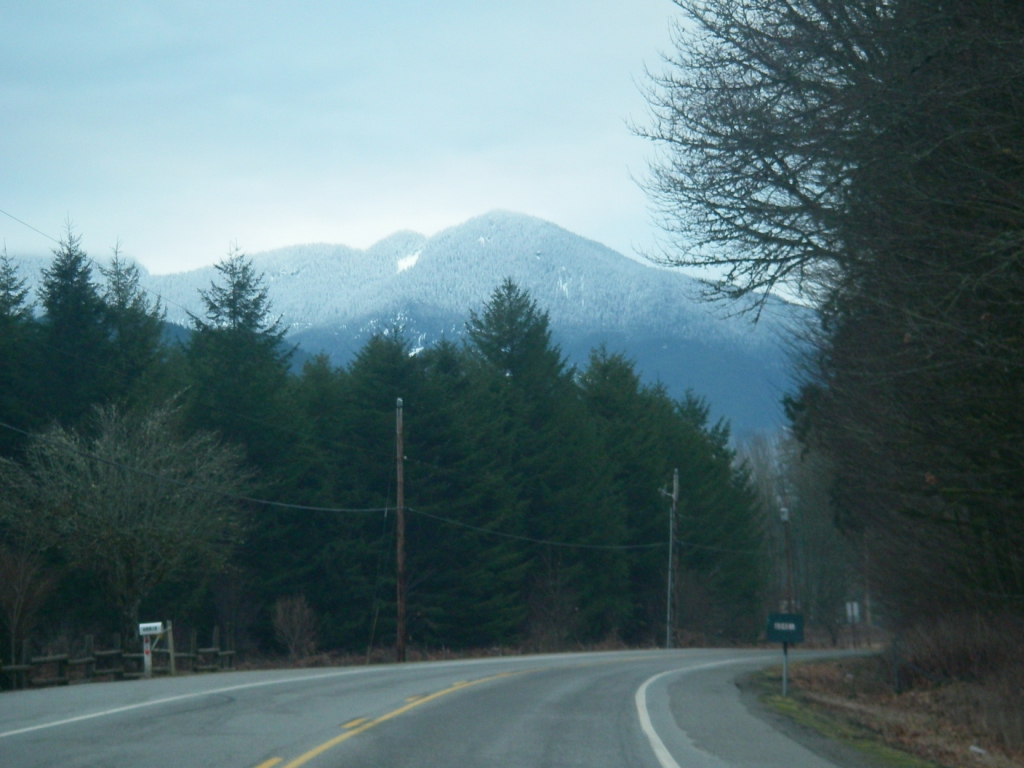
<point>333,297</point>
<point>580,282</point>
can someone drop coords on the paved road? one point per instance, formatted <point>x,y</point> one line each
<point>655,709</point>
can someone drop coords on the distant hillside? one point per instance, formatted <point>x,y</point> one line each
<point>333,297</point>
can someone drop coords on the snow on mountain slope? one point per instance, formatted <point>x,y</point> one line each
<point>579,282</point>
<point>332,297</point>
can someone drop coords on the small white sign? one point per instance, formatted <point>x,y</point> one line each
<point>853,612</point>
<point>152,628</point>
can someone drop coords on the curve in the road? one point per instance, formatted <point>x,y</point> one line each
<point>660,750</point>
<point>359,726</point>
<point>515,711</point>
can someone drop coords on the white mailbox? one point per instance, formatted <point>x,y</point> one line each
<point>152,628</point>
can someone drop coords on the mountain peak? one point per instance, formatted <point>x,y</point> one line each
<point>333,296</point>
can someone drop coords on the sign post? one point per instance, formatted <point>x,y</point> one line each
<point>853,619</point>
<point>785,628</point>
<point>147,631</point>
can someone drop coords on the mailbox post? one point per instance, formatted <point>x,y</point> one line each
<point>785,628</point>
<point>147,631</point>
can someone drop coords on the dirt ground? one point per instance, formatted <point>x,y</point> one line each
<point>953,724</point>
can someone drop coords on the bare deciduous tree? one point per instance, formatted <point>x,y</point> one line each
<point>824,560</point>
<point>870,156</point>
<point>295,626</point>
<point>135,504</point>
<point>25,584</point>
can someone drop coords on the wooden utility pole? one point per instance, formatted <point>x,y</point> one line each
<point>671,557</point>
<point>784,513</point>
<point>400,535</point>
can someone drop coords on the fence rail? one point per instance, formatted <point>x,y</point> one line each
<point>34,671</point>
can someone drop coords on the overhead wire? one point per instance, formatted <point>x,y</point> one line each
<point>312,508</point>
<point>547,542</point>
<point>192,486</point>
<point>94,262</point>
<point>26,224</point>
<point>334,442</point>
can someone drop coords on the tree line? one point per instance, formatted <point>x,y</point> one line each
<point>868,157</point>
<point>202,479</point>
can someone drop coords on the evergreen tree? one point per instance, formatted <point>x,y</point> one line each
<point>135,323</point>
<point>468,584</point>
<point>719,567</point>
<point>721,543</point>
<point>341,562</point>
<point>18,354</point>
<point>239,365</point>
<point>635,426</point>
<point>553,461</point>
<point>76,347</point>
<point>13,293</point>
<point>514,337</point>
<point>382,371</point>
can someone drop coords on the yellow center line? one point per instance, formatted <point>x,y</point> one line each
<point>359,725</point>
<point>620,661</point>
<point>319,750</point>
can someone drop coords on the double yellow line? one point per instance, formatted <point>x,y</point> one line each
<point>360,725</point>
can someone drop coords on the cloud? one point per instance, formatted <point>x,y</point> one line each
<point>182,126</point>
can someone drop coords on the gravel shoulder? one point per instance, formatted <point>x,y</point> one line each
<point>821,732</point>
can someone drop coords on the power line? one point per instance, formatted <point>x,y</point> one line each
<point>93,261</point>
<point>192,486</point>
<point>26,224</point>
<point>711,548</point>
<point>566,544</point>
<point>311,508</point>
<point>335,443</point>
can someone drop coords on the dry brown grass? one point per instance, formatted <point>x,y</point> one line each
<point>956,723</point>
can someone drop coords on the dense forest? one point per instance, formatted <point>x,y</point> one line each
<point>204,478</point>
<point>868,158</point>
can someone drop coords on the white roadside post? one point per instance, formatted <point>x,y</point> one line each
<point>151,629</point>
<point>169,631</point>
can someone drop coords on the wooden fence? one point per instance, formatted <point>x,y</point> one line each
<point>114,663</point>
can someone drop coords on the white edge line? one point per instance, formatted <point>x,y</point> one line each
<point>641,702</point>
<point>263,683</point>
<point>180,697</point>
<point>660,750</point>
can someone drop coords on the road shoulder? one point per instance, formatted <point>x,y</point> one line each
<point>828,737</point>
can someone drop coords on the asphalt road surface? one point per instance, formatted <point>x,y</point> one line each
<point>653,709</point>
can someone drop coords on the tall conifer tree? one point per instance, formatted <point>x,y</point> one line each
<point>18,359</point>
<point>239,364</point>
<point>77,350</point>
<point>135,323</point>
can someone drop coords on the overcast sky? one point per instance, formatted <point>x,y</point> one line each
<point>181,127</point>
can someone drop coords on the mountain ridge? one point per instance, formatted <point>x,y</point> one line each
<point>332,297</point>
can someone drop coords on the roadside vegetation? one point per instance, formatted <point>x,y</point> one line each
<point>867,159</point>
<point>208,482</point>
<point>949,696</point>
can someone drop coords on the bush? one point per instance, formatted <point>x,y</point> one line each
<point>295,626</point>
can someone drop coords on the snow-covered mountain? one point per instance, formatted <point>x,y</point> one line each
<point>333,297</point>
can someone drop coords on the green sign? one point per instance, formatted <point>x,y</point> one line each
<point>785,628</point>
